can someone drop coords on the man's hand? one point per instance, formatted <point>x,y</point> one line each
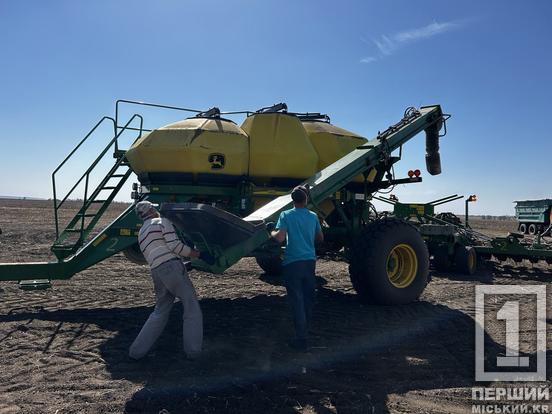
<point>207,258</point>
<point>204,256</point>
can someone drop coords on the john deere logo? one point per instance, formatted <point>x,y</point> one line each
<point>217,161</point>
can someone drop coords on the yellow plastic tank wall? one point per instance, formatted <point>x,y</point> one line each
<point>331,142</point>
<point>196,146</point>
<point>280,151</point>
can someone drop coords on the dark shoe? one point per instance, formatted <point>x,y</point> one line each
<point>298,345</point>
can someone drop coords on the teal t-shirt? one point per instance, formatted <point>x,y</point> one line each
<point>301,226</point>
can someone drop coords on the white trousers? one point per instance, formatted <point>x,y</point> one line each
<point>171,280</point>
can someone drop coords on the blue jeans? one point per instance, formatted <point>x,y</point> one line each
<point>300,283</point>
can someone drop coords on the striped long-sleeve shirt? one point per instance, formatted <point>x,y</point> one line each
<point>159,242</point>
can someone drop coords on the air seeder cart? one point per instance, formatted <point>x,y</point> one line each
<point>226,204</point>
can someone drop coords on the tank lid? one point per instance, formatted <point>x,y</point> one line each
<point>313,116</point>
<point>279,107</point>
<point>214,112</point>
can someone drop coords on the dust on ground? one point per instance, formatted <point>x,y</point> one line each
<point>64,350</point>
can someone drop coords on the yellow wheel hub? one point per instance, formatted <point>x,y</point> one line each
<point>402,266</point>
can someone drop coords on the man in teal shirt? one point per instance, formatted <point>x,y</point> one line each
<point>300,228</point>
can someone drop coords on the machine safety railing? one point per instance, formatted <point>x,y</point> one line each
<point>88,197</point>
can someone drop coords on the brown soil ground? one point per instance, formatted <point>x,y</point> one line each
<point>64,350</point>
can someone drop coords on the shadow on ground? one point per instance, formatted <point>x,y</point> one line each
<point>488,270</point>
<point>360,355</point>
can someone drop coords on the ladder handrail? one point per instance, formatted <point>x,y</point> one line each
<point>83,140</point>
<point>56,206</point>
<point>150,104</point>
<point>86,174</point>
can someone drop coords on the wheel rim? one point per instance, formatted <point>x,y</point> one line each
<point>402,266</point>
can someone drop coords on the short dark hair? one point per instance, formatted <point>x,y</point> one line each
<point>299,195</point>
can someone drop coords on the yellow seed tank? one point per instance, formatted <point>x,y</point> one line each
<point>270,149</point>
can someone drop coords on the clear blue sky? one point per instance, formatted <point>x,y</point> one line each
<point>488,63</point>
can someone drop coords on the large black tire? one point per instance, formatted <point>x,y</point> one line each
<point>532,230</point>
<point>389,263</point>
<point>465,258</point>
<point>271,265</point>
<point>522,228</point>
<point>134,254</point>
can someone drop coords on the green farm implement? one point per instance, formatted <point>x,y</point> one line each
<point>455,246</point>
<point>388,258</point>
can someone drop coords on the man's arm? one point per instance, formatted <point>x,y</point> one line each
<point>173,242</point>
<point>279,235</point>
<point>281,229</point>
<point>319,237</point>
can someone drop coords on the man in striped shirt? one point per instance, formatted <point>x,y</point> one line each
<point>163,251</point>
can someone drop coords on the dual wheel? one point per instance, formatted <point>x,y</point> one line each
<point>531,228</point>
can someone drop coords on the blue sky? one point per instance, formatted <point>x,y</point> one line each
<point>488,63</point>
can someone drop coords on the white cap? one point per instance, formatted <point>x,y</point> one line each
<point>143,208</point>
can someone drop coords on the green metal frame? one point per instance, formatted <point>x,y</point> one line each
<point>511,247</point>
<point>373,160</point>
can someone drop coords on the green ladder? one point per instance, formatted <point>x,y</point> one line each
<point>74,235</point>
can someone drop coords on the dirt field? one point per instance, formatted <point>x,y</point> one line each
<point>64,350</point>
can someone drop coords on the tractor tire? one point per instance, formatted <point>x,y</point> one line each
<point>465,259</point>
<point>134,254</point>
<point>271,265</point>
<point>532,230</point>
<point>389,263</point>
<point>522,228</point>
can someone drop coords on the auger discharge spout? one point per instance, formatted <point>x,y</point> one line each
<point>433,158</point>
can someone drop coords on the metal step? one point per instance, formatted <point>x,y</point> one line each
<point>37,284</point>
<point>86,215</point>
<point>63,247</point>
